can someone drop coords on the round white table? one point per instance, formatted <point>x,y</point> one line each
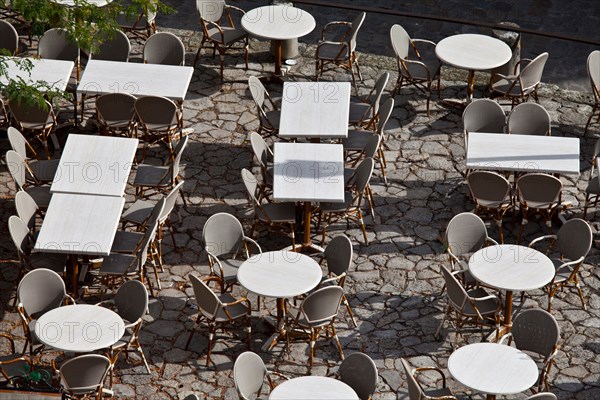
<point>79,328</point>
<point>473,53</point>
<point>278,23</point>
<point>511,268</point>
<point>313,387</point>
<point>494,369</point>
<point>280,275</point>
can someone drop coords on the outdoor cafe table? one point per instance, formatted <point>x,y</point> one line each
<point>316,110</point>
<point>309,173</point>
<point>523,153</point>
<point>79,328</point>
<point>54,72</point>
<point>313,387</point>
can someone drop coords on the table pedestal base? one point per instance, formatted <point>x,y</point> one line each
<point>307,246</point>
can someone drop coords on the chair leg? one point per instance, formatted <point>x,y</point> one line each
<point>349,311</point>
<point>337,341</point>
<point>198,52</point>
<point>172,231</point>
<point>362,225</point>
<point>211,338</point>
<point>576,279</point>
<point>246,53</point>
<point>439,329</point>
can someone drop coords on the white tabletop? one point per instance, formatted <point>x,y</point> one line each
<point>79,328</point>
<point>53,72</point>
<point>278,22</point>
<point>493,368</point>
<point>504,152</point>
<point>473,52</point>
<point>92,164</point>
<point>511,267</point>
<point>308,172</point>
<point>279,274</point>
<point>80,224</point>
<point>315,110</point>
<point>313,387</point>
<point>137,79</point>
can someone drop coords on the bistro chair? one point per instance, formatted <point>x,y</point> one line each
<point>83,376</point>
<point>573,242</point>
<point>520,86</point>
<point>113,48</point>
<point>18,169</point>
<point>359,371</point>
<point>227,247</point>
<point>131,303</point>
<point>219,312</point>
<point>159,119</point>
<point>40,291</point>
<point>249,373</point>
<point>264,157</point>
<point>339,50</point>
<point>541,194</point>
<point>27,210</point>
<point>222,37</point>
<point>365,112</point>
<point>483,115</point>
<point>593,68</point>
<point>317,311</point>
<point>417,70</point>
<point>140,25</point>
<point>370,150</point>
<point>492,194</point>
<point>164,48</point>
<point>9,38</point>
<point>543,396</point>
<point>39,171</point>
<point>13,363</point>
<point>115,113</point>
<point>416,390</point>
<point>268,117</point>
<point>280,216</point>
<point>35,119</point>
<point>475,305</point>
<point>536,331</point>
<point>592,191</point>
<point>529,119</point>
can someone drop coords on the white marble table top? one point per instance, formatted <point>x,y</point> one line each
<point>54,72</point>
<point>79,328</point>
<point>493,368</point>
<point>80,224</point>
<point>93,164</point>
<point>313,387</point>
<point>137,79</point>
<point>308,172</point>
<point>315,110</point>
<point>278,22</point>
<point>473,52</point>
<point>511,267</point>
<point>504,152</point>
<point>279,274</point>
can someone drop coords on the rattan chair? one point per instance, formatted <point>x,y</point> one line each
<point>268,115</point>
<point>219,312</point>
<point>141,24</point>
<point>573,242</point>
<point>529,119</point>
<point>417,392</point>
<point>164,48</point>
<point>115,47</point>
<point>13,363</point>
<point>27,210</point>
<point>39,171</point>
<point>538,194</point>
<point>536,331</point>
<point>520,86</point>
<point>115,113</point>
<point>17,167</point>
<point>9,38</point>
<point>83,376</point>
<point>35,119</point>
<point>159,119</point>
<point>593,68</point>
<point>370,150</point>
<point>492,194</point>
<point>264,157</point>
<point>339,50</point>
<point>543,396</point>
<point>359,371</point>
<point>418,70</point>
<point>483,115</point>
<point>365,112</point>
<point>249,373</point>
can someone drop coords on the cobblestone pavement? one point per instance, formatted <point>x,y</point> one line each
<point>394,285</point>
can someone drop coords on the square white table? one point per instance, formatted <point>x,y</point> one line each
<point>315,110</point>
<point>54,72</point>
<point>92,164</point>
<point>504,152</point>
<point>308,172</point>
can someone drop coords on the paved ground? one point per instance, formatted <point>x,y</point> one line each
<point>394,284</point>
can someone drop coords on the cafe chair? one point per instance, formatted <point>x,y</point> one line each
<point>364,112</point>
<point>222,37</point>
<point>140,25</point>
<point>219,312</point>
<point>268,117</point>
<point>27,210</point>
<point>191,397</point>
<point>115,113</point>
<point>370,150</point>
<point>543,396</point>
<point>416,390</point>
<point>351,208</point>
<point>39,171</point>
<point>338,47</point>
<point>264,156</point>
<point>593,68</point>
<point>227,247</point>
<point>520,86</point>
<point>417,70</point>
<point>249,374</point>
<point>40,291</point>
<point>113,48</point>
<point>164,48</point>
<point>159,120</point>
<point>83,376</point>
<point>359,371</point>
<point>9,38</point>
<point>475,305</point>
<point>483,115</point>
<point>131,303</point>
<point>13,363</point>
<point>592,191</point>
<point>279,216</point>
<point>18,170</point>
<point>541,194</point>
<point>492,195</point>
<point>34,119</point>
<point>573,242</point>
<point>529,119</point>
<point>317,311</point>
